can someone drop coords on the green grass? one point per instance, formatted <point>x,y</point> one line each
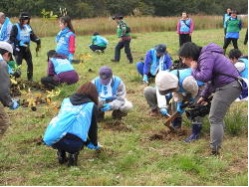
<point>130,157</point>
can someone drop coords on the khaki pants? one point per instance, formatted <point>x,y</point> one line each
<point>4,121</point>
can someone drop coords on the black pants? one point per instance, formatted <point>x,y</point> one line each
<point>95,47</point>
<point>25,53</point>
<point>228,41</point>
<point>183,38</point>
<point>49,82</point>
<point>126,45</point>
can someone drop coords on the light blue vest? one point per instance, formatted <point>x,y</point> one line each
<point>61,65</point>
<point>185,25</point>
<point>182,74</point>
<point>100,41</point>
<point>115,84</point>
<point>74,119</point>
<point>5,30</point>
<point>24,33</point>
<point>63,41</point>
<point>244,73</point>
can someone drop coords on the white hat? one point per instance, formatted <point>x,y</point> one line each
<point>166,81</point>
<point>6,46</point>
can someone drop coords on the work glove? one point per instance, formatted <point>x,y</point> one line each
<point>14,105</point>
<point>164,112</point>
<point>91,146</point>
<point>179,107</point>
<point>110,99</point>
<point>70,57</point>
<point>106,107</point>
<point>145,79</point>
<point>23,44</point>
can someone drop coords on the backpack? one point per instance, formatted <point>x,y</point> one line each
<point>128,29</point>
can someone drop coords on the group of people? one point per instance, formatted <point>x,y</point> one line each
<point>208,72</point>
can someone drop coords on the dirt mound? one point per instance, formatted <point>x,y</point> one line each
<point>116,125</point>
<point>168,135</point>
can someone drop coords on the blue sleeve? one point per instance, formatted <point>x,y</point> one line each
<point>147,63</point>
<point>167,62</point>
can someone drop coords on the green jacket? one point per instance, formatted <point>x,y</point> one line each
<point>233,25</point>
<point>121,29</point>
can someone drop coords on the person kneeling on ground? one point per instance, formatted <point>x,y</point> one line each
<point>60,70</point>
<point>75,125</point>
<point>156,59</point>
<point>112,94</point>
<point>99,43</point>
<point>184,88</point>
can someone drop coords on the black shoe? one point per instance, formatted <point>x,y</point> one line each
<point>215,151</point>
<point>131,61</point>
<point>113,60</point>
<point>117,114</point>
<point>61,157</point>
<point>100,116</point>
<point>73,159</point>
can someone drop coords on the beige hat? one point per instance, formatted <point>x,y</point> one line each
<point>6,46</point>
<point>166,81</point>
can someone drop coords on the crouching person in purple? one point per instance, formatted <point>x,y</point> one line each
<point>60,70</point>
<point>75,125</point>
<point>209,65</point>
<point>112,94</point>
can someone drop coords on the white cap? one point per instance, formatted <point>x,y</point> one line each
<point>166,81</point>
<point>6,46</point>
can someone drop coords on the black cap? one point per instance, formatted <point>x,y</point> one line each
<point>117,16</point>
<point>24,15</point>
<point>161,48</point>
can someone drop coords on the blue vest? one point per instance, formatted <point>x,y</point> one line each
<point>244,73</point>
<point>100,41</point>
<point>61,65</point>
<point>115,83</point>
<point>182,74</point>
<point>63,41</point>
<point>73,119</point>
<point>23,34</point>
<point>185,25</point>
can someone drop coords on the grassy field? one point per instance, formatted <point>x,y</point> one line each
<point>129,157</point>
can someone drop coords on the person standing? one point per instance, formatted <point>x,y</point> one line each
<point>99,43</point>
<point>233,25</point>
<point>185,27</point>
<point>123,33</point>
<point>65,39</point>
<point>209,65</point>
<point>5,27</point>
<point>6,52</point>
<point>75,125</point>
<point>226,16</point>
<point>21,35</point>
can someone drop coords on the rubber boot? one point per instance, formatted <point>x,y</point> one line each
<point>61,156</point>
<point>196,130</point>
<point>100,116</point>
<point>118,114</point>
<point>73,159</point>
<point>177,122</point>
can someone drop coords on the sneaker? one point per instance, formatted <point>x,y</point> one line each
<point>117,114</point>
<point>113,60</point>
<point>154,112</point>
<point>73,159</point>
<point>61,157</point>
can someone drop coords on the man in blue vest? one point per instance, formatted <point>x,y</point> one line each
<point>21,35</point>
<point>99,43</point>
<point>112,94</point>
<point>5,27</point>
<point>183,87</point>
<point>156,59</point>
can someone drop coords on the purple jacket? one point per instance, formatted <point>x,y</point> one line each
<point>211,64</point>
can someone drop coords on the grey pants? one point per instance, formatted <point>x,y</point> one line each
<point>222,99</point>
<point>4,121</point>
<point>150,96</point>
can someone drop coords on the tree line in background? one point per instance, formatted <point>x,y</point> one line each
<point>101,8</point>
